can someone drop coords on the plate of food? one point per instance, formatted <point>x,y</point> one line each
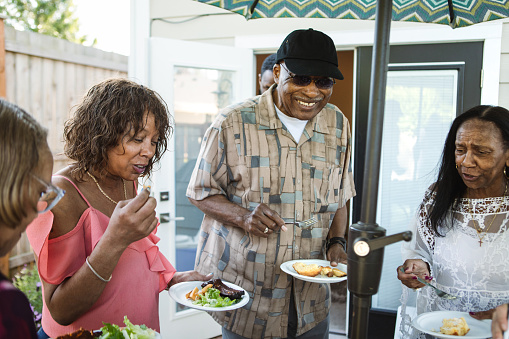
<point>444,324</point>
<point>315,270</point>
<point>130,330</point>
<point>212,295</point>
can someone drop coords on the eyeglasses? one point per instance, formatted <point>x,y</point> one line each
<point>304,80</point>
<point>49,197</point>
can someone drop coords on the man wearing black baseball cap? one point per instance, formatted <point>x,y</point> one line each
<point>310,52</point>
<point>273,178</point>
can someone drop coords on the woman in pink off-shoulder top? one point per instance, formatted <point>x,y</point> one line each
<point>97,251</point>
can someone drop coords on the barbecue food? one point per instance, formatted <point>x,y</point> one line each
<point>196,293</point>
<point>79,334</point>
<point>326,271</point>
<point>310,270</point>
<point>454,326</point>
<point>338,273</point>
<point>224,291</point>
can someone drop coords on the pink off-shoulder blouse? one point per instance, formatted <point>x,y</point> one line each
<point>141,273</point>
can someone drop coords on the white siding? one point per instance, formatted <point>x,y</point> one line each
<point>503,99</point>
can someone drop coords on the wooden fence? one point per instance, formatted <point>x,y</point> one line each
<point>47,77</point>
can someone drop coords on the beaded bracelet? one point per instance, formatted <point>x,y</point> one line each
<point>335,240</point>
<point>97,274</point>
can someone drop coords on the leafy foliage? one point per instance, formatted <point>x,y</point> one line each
<point>27,280</point>
<point>55,18</point>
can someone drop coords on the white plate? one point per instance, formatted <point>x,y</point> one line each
<point>288,268</point>
<point>178,293</point>
<point>430,323</point>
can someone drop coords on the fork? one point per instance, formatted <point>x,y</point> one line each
<point>304,223</point>
<point>439,292</point>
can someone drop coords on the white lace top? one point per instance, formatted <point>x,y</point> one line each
<point>478,275</point>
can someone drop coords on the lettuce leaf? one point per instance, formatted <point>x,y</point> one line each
<point>138,331</point>
<point>111,331</point>
<point>130,331</point>
<point>212,298</point>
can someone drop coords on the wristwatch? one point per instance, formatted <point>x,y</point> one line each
<point>335,240</point>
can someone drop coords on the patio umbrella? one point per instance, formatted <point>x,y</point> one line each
<point>366,238</point>
<point>457,13</point>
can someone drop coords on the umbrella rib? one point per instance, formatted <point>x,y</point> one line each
<point>451,14</point>
<point>251,9</point>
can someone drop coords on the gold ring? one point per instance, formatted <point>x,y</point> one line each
<point>266,230</point>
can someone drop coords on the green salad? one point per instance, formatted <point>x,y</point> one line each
<point>211,298</point>
<point>130,331</point>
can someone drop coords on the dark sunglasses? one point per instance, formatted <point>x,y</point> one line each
<point>304,80</point>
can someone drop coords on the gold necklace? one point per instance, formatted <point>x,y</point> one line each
<point>104,193</point>
<point>478,227</point>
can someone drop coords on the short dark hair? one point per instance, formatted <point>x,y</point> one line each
<point>449,187</point>
<point>268,63</point>
<point>106,114</point>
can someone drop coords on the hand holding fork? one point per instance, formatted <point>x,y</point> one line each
<point>302,224</point>
<point>419,267</point>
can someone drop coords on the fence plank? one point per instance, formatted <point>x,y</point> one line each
<point>36,88</point>
<point>10,77</point>
<point>4,261</point>
<point>2,58</point>
<point>22,81</point>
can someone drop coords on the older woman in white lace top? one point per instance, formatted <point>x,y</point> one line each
<point>460,233</point>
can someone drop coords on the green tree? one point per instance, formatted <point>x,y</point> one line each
<point>50,17</point>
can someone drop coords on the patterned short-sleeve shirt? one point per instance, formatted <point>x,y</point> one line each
<point>249,156</point>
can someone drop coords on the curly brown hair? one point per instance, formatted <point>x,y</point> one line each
<point>107,113</point>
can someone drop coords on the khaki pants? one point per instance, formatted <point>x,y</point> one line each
<point>320,331</point>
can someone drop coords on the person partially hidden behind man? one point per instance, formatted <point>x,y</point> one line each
<point>265,164</point>
<point>266,77</point>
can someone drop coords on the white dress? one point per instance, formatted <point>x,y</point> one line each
<point>478,275</point>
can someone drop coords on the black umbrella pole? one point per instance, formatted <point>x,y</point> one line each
<point>379,66</point>
<point>364,272</point>
<point>360,315</point>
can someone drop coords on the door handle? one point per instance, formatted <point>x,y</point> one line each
<point>165,217</point>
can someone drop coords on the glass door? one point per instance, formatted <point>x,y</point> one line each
<point>420,106</point>
<point>196,80</point>
<point>193,115</point>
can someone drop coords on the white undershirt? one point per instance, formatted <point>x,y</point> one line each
<point>295,126</point>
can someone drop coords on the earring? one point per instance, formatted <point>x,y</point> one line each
<point>457,167</point>
<point>505,172</point>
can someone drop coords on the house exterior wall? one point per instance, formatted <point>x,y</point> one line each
<point>194,21</point>
<point>504,68</point>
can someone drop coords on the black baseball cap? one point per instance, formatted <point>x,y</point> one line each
<point>310,52</point>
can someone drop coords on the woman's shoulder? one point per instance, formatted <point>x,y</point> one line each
<point>429,193</point>
<point>64,179</point>
<point>69,209</point>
